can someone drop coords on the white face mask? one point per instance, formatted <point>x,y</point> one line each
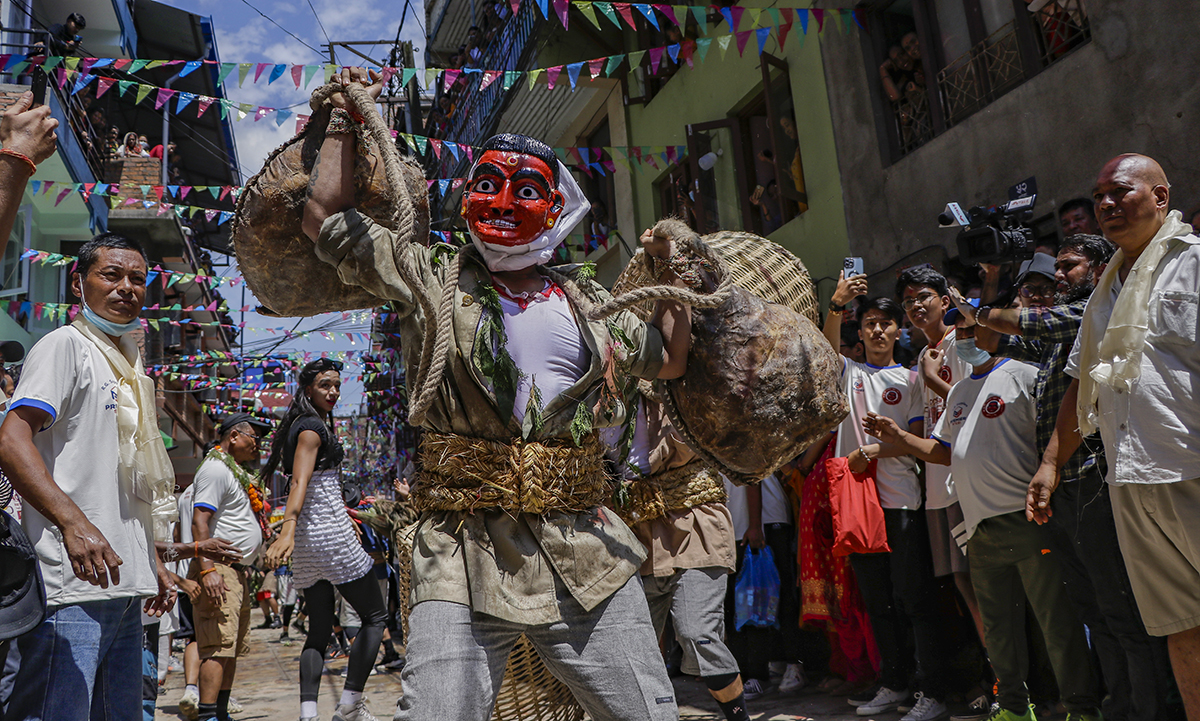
<point>108,327</point>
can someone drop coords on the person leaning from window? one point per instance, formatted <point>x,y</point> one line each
<point>64,38</point>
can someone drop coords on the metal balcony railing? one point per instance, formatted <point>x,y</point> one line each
<point>478,109</point>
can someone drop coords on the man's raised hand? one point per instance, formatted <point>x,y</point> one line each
<point>27,130</point>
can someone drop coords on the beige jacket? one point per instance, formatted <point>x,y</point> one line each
<point>496,563</point>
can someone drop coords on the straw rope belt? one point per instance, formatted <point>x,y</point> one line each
<point>461,473</point>
<point>678,489</point>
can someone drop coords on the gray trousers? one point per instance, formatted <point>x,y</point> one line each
<point>608,657</point>
<point>695,600</point>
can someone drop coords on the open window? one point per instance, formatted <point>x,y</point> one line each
<point>718,176</point>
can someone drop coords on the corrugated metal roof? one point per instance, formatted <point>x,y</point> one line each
<point>543,113</point>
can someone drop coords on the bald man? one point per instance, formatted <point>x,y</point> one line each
<point>1137,369</point>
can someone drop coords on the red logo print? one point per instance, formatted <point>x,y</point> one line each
<point>892,396</point>
<point>993,407</point>
<point>944,373</point>
<point>858,385</point>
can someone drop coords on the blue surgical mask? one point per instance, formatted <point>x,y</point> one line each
<point>970,353</point>
<point>107,326</point>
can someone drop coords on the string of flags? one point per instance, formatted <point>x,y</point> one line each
<point>80,72</point>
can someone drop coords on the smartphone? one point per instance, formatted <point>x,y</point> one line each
<point>39,86</point>
<point>853,267</point>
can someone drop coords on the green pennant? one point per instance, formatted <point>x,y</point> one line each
<point>588,11</point>
<point>680,14</point>
<point>702,45</point>
<point>153,323</point>
<point>224,109</point>
<point>407,75</point>
<point>776,18</point>
<point>137,65</point>
<point>701,14</point>
<point>226,69</point>
<point>18,68</point>
<point>123,86</point>
<point>156,64</point>
<point>607,9</point>
<point>511,77</point>
<point>430,76</point>
<point>755,14</point>
<point>243,71</point>
<point>723,43</point>
<point>534,75</point>
<point>422,143</point>
<point>51,62</point>
<point>71,63</point>
<point>143,91</point>
<point>614,62</point>
<point>635,59</point>
<point>309,72</point>
<point>330,71</point>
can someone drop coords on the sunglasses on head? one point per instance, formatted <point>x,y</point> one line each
<point>324,364</point>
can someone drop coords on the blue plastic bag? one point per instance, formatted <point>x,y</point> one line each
<point>756,593</point>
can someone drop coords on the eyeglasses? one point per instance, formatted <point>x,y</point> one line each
<point>1036,291</point>
<point>923,298</point>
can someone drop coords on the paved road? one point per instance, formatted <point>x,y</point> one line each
<point>267,686</point>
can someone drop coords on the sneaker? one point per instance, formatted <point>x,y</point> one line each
<point>925,709</point>
<point>277,623</point>
<point>793,679</point>
<point>189,705</point>
<point>885,700</point>
<point>235,706</point>
<point>1093,715</point>
<point>1000,713</point>
<point>776,669</point>
<point>396,664</point>
<point>977,710</point>
<point>357,712</point>
<point>752,689</point>
<point>173,664</point>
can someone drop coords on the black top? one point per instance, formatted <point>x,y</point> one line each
<point>329,455</point>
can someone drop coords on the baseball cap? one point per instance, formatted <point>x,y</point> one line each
<point>22,595</point>
<point>952,315</point>
<point>11,351</point>
<point>236,419</point>
<point>1042,263</point>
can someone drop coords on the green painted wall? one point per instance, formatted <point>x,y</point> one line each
<point>715,89</point>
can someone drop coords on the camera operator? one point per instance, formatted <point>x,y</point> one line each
<point>1082,527</point>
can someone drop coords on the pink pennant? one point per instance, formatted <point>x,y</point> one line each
<point>449,78</point>
<point>819,16</point>
<point>489,77</point>
<point>742,38</point>
<point>655,58</point>
<point>259,70</point>
<point>203,104</point>
<point>666,10</point>
<point>102,86</point>
<point>784,30</point>
<point>626,11</point>
<point>737,11</point>
<point>562,9</point>
<point>595,67</point>
<point>164,94</point>
<point>297,74</point>
<point>224,192</point>
<point>62,194</point>
<point>437,147</point>
<point>62,76</point>
<point>552,75</point>
<point>516,6</point>
<point>120,63</point>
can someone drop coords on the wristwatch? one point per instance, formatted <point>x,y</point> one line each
<point>835,308</point>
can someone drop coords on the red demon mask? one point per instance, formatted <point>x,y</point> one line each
<point>511,198</point>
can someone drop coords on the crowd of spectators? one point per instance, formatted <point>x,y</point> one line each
<point>468,55</point>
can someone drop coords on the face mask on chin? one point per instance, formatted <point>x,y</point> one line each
<point>970,353</point>
<point>108,327</point>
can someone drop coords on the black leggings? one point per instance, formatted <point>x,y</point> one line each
<point>363,596</point>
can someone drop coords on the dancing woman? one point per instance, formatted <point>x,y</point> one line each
<point>319,537</point>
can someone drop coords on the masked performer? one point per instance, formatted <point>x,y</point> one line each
<point>677,510</point>
<point>512,536</point>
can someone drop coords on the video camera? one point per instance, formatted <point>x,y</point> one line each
<point>995,234</point>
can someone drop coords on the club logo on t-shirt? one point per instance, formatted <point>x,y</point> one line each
<point>993,407</point>
<point>858,385</point>
<point>959,415</point>
<point>944,374</point>
<point>892,396</point>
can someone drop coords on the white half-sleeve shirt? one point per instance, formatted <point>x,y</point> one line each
<point>939,482</point>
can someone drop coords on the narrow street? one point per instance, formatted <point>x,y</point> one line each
<point>267,683</point>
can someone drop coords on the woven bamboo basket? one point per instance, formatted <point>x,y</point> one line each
<point>758,265</point>
<point>275,255</point>
<point>529,692</point>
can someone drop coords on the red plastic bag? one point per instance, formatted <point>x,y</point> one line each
<point>858,525</point>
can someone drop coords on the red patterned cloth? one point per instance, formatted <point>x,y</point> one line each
<point>828,591</point>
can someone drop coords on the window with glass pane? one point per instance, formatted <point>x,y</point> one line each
<point>14,272</point>
<point>785,138</point>
<point>714,150</point>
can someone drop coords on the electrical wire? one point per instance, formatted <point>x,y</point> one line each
<point>322,26</point>
<point>289,32</point>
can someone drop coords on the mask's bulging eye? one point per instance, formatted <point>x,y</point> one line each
<point>528,192</point>
<point>485,185</point>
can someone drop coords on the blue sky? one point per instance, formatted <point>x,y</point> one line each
<point>244,36</point>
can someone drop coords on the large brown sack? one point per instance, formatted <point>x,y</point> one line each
<point>762,382</point>
<point>274,254</point>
